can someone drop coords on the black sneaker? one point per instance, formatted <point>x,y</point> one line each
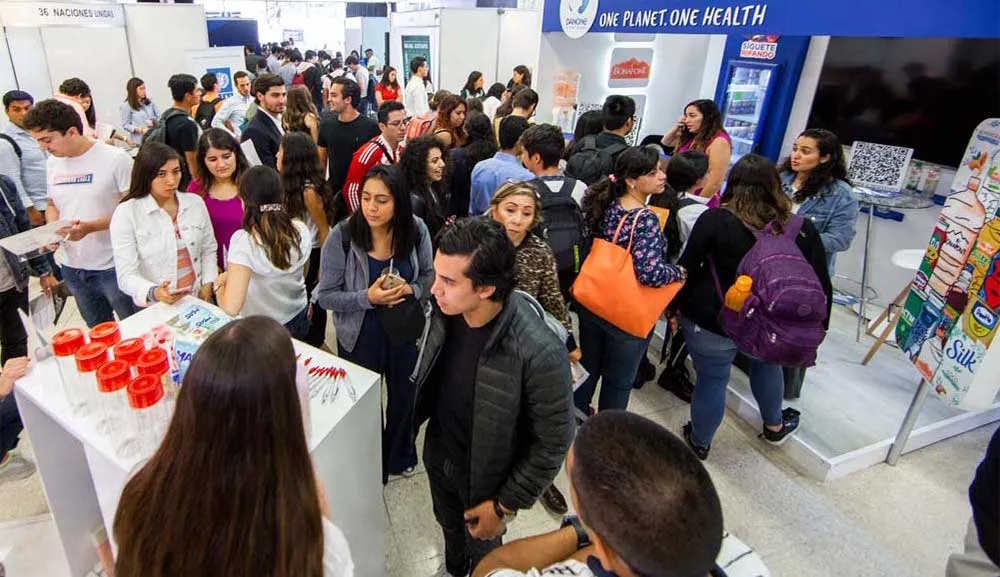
<point>789,422</point>
<point>553,501</point>
<point>677,382</point>
<point>700,452</point>
<point>646,373</point>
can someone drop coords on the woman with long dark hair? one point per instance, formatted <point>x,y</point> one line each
<point>300,113</point>
<point>588,123</point>
<point>231,489</point>
<point>449,125</point>
<point>139,114</point>
<point>480,144</point>
<point>473,86</point>
<point>162,239</point>
<point>387,89</point>
<point>717,244</point>
<point>814,177</point>
<point>265,274</point>
<point>425,169</point>
<point>700,128</point>
<point>378,258</point>
<point>617,205</point>
<point>307,198</point>
<point>221,163</point>
<point>521,76</point>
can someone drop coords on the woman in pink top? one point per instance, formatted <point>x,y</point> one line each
<point>221,163</point>
<point>700,128</point>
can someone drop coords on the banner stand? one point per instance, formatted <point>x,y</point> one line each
<point>907,427</point>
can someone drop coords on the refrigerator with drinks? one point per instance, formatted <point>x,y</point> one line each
<point>756,89</point>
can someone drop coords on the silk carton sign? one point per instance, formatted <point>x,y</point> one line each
<point>630,67</point>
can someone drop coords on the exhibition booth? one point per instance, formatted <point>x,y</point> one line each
<point>773,67</point>
<point>457,41</point>
<point>106,44</point>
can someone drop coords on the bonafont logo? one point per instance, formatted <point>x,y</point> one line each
<point>577,16</point>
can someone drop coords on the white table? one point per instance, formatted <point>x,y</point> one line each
<point>83,478</point>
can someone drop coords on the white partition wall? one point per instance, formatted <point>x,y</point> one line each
<point>519,43</point>
<point>155,57</point>
<point>489,40</point>
<point>97,55</point>
<point>50,42</point>
<point>478,31</point>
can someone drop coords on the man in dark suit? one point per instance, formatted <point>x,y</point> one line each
<point>264,129</point>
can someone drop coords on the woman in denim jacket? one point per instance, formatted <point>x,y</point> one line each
<point>814,176</point>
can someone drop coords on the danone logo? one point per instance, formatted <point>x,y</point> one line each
<point>631,69</point>
<point>577,16</point>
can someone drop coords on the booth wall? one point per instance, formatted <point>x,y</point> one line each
<point>97,55</point>
<point>468,42</point>
<point>805,93</point>
<point>29,62</point>
<point>678,73</point>
<point>520,42</point>
<point>7,77</point>
<point>156,57</point>
<point>373,35</point>
<point>426,23</point>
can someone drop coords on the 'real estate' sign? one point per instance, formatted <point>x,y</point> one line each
<point>913,18</point>
<point>39,14</point>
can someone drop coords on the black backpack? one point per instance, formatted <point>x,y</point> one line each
<point>205,113</point>
<point>563,228</point>
<point>159,132</point>
<point>591,163</point>
<point>17,149</point>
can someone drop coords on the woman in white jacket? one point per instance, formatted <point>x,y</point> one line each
<point>162,238</point>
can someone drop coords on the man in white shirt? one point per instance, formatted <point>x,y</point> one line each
<point>415,94</point>
<point>232,115</point>
<point>543,146</point>
<point>650,510</point>
<point>372,62</point>
<point>361,76</point>
<point>86,180</point>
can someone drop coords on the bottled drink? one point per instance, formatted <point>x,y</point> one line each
<point>89,358</point>
<point>738,293</point>
<point>107,334</point>
<point>112,378</point>
<point>65,344</point>
<point>150,413</point>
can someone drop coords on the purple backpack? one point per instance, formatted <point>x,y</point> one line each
<point>781,322</point>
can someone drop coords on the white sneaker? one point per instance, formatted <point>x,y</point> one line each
<point>409,472</point>
<point>15,468</point>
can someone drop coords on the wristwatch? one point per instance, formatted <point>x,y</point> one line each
<point>151,295</point>
<point>501,514</point>
<point>582,539</point>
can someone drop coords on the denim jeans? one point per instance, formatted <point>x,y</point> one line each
<point>97,295</point>
<point>712,356</point>
<point>298,327</point>
<point>611,355</point>
<point>375,352</point>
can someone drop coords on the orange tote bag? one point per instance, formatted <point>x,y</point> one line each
<point>607,287</point>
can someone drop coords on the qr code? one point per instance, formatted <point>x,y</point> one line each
<point>879,166</point>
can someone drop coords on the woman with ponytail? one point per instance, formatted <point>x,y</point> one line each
<point>619,200</point>
<point>267,257</point>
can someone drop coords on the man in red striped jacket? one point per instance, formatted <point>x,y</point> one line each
<point>383,149</point>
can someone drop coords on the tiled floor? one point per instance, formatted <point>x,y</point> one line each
<point>902,520</point>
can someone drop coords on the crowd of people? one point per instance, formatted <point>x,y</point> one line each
<point>444,232</point>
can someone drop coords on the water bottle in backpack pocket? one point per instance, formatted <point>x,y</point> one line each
<point>782,319</point>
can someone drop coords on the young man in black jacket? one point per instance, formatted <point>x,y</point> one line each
<point>494,382</point>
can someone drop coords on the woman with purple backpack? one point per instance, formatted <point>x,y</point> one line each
<point>755,219</point>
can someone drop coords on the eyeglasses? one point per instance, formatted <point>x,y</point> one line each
<point>398,123</point>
